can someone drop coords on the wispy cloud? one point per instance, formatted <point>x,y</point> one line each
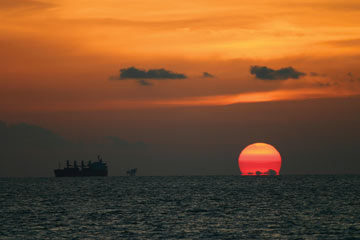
<point>268,96</point>
<point>24,4</point>
<point>212,100</point>
<point>143,82</point>
<point>344,43</point>
<point>207,75</point>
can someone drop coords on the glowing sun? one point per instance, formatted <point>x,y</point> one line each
<point>259,159</point>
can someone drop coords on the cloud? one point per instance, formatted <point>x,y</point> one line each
<point>265,73</point>
<point>207,75</point>
<point>314,74</point>
<point>323,84</point>
<point>143,82</point>
<point>135,73</point>
<point>25,4</point>
<point>25,135</point>
<point>351,78</point>
<point>344,43</point>
<point>142,76</point>
<point>30,150</point>
<point>217,21</point>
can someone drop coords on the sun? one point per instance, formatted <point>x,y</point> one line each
<point>259,159</point>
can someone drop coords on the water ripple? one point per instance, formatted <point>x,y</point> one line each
<point>212,207</point>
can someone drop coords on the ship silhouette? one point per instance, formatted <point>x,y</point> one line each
<point>95,169</point>
<point>131,172</point>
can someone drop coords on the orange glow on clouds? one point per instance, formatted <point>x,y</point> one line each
<point>258,159</point>
<point>277,95</point>
<point>69,69</point>
<point>200,29</point>
<point>216,100</point>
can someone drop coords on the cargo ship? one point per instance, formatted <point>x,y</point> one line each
<point>95,169</point>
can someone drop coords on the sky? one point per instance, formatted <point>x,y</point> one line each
<point>179,87</point>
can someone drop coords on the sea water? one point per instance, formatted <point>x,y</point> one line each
<point>185,207</point>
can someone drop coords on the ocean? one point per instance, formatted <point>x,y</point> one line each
<point>181,207</point>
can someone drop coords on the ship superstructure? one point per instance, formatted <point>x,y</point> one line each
<point>95,169</point>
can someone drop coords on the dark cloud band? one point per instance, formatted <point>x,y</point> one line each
<point>142,76</point>
<point>265,73</point>
<point>135,73</point>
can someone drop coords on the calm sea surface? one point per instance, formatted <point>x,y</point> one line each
<point>211,207</point>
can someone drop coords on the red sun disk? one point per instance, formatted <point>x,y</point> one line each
<point>259,158</point>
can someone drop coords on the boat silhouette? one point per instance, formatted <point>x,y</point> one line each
<point>131,172</point>
<point>95,169</point>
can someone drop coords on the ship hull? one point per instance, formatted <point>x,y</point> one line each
<point>77,173</point>
<point>95,169</point>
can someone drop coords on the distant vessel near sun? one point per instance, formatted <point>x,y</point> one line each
<point>95,169</point>
<point>259,159</point>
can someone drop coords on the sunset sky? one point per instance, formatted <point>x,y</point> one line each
<point>232,73</point>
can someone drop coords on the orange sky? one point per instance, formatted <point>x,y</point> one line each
<point>60,56</point>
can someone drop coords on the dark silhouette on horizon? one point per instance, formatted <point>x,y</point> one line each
<point>96,169</point>
<point>271,172</point>
<point>131,172</point>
